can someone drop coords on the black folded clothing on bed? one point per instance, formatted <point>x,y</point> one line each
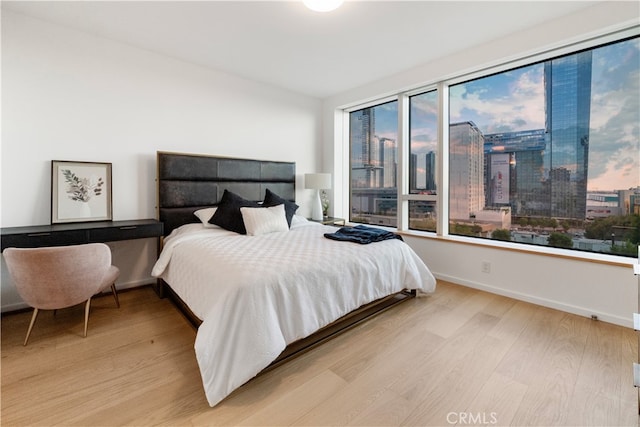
<point>362,234</point>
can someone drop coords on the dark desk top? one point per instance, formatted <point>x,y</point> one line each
<point>5,231</point>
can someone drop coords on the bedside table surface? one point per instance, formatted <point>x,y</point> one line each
<point>330,220</point>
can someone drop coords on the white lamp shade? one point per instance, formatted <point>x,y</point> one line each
<point>317,181</point>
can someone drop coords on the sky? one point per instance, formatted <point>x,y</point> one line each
<point>514,101</point>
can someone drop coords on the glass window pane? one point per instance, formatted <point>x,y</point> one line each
<point>423,143</point>
<point>423,215</point>
<point>548,154</point>
<point>373,138</point>
<point>423,149</point>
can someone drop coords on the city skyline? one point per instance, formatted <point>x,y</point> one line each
<point>515,101</point>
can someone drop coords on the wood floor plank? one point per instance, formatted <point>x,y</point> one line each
<point>448,323</point>
<point>417,338</point>
<point>591,408</point>
<point>498,400</point>
<point>513,321</point>
<point>372,381</point>
<point>460,382</point>
<point>602,357</point>
<point>389,409</point>
<point>521,363</point>
<point>548,402</point>
<point>297,402</point>
<point>629,402</point>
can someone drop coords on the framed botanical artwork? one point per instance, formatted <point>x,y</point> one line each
<point>80,191</point>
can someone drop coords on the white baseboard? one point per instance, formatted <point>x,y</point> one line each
<point>580,311</point>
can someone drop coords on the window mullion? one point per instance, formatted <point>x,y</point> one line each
<point>403,162</point>
<point>442,225</point>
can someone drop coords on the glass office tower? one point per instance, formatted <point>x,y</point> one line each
<point>430,172</point>
<point>364,152</point>
<point>514,171</point>
<point>567,83</point>
<point>466,171</point>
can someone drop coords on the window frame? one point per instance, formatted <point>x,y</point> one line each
<point>442,197</point>
<point>406,196</point>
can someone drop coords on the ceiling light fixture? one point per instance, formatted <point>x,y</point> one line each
<point>323,5</point>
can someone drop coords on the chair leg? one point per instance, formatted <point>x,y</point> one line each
<point>115,294</point>
<point>33,321</point>
<point>86,316</point>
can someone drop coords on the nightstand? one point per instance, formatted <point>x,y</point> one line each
<point>329,220</point>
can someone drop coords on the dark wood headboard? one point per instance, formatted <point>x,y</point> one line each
<point>188,182</point>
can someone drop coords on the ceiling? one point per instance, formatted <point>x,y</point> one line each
<point>284,44</point>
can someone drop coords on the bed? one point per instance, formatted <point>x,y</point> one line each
<point>260,298</point>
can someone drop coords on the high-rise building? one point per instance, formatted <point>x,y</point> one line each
<point>430,171</point>
<point>567,82</point>
<point>389,163</point>
<point>466,170</point>
<point>545,172</point>
<point>366,161</point>
<point>413,173</point>
<point>514,171</point>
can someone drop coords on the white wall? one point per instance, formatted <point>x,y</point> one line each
<point>582,287</point>
<point>67,95</point>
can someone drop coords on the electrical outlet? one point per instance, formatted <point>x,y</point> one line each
<point>486,267</point>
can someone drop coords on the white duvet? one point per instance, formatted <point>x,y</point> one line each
<point>257,294</point>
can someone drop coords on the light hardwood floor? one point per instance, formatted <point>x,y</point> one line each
<point>458,357</point>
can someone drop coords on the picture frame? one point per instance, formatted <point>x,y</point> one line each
<point>80,191</point>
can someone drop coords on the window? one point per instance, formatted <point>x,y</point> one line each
<point>423,149</point>
<point>374,149</point>
<point>545,154</point>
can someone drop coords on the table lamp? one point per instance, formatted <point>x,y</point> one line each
<point>317,181</point>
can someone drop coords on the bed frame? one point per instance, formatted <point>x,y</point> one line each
<point>188,182</point>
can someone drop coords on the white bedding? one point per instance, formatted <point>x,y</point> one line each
<point>257,294</point>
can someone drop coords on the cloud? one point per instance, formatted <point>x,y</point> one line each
<point>423,147</point>
<point>503,102</point>
<point>614,140</point>
<point>423,140</point>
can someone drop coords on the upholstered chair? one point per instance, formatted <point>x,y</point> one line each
<point>58,277</point>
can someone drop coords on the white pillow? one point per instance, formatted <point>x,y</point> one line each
<point>259,221</point>
<point>204,215</point>
<point>298,220</point>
